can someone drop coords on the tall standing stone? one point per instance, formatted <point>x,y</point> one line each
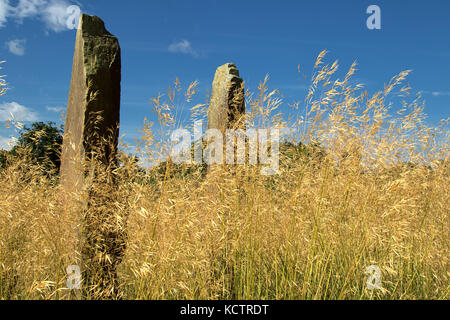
<point>91,132</point>
<point>94,90</point>
<point>227,105</point>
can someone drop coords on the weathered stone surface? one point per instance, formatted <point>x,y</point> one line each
<point>91,132</point>
<point>94,90</point>
<point>227,104</point>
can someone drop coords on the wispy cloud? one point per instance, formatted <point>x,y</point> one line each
<point>437,93</point>
<point>53,13</point>
<point>55,109</point>
<point>4,11</point>
<point>17,46</point>
<point>13,111</point>
<point>27,8</point>
<point>184,47</point>
<point>440,93</point>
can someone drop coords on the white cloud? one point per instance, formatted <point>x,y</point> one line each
<point>440,93</point>
<point>7,143</point>
<point>53,13</point>
<point>183,46</point>
<point>17,112</point>
<point>4,11</point>
<point>28,8</point>
<point>55,109</point>
<point>16,47</point>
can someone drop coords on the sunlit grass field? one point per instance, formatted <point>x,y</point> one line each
<point>367,185</point>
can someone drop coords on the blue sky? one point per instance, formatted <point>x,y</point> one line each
<point>161,40</point>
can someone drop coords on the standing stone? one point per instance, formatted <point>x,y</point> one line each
<point>227,105</point>
<point>94,91</point>
<point>226,111</point>
<point>91,132</point>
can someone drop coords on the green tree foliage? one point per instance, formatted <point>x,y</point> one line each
<point>3,158</point>
<point>43,143</point>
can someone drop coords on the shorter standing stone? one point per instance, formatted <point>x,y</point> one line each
<point>227,106</point>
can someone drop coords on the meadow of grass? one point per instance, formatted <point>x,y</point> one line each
<point>367,186</point>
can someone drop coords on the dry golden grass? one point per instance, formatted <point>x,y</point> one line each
<point>2,83</point>
<point>375,193</point>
